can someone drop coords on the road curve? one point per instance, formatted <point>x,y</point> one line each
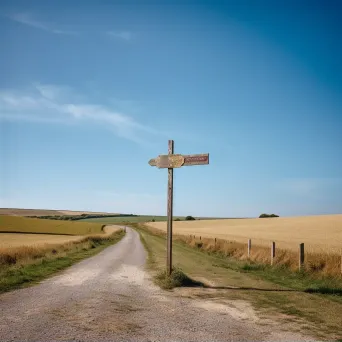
<point>109,297</point>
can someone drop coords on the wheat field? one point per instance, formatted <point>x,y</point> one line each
<point>17,224</point>
<point>12,240</point>
<point>18,231</point>
<point>321,232</point>
<point>45,212</point>
<point>321,235</point>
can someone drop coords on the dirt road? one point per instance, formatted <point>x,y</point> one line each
<point>110,297</point>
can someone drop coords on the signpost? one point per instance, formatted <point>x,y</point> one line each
<point>171,161</point>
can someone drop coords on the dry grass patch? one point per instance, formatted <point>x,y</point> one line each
<point>324,264</point>
<point>26,254</point>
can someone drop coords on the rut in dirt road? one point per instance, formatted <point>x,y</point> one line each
<point>109,297</point>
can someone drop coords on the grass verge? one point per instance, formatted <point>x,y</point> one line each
<point>294,298</point>
<point>40,263</point>
<point>177,278</point>
<point>161,278</point>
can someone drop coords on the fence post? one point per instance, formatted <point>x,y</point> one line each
<point>200,237</point>
<point>301,256</point>
<point>272,252</point>
<point>215,246</point>
<point>249,247</point>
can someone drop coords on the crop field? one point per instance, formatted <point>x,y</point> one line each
<point>319,232</point>
<point>321,235</point>
<point>17,224</point>
<point>11,240</point>
<point>44,212</point>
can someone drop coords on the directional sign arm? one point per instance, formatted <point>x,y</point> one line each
<point>165,161</point>
<point>196,159</point>
<point>152,162</point>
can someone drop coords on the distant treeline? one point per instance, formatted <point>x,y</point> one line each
<point>80,217</point>
<point>268,215</point>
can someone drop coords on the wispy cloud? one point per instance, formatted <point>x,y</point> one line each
<point>54,104</point>
<point>122,35</point>
<point>29,20</point>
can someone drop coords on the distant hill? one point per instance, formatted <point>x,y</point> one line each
<point>45,212</point>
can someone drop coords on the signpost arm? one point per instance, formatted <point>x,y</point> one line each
<point>169,211</point>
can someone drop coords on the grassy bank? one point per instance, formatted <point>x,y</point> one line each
<point>278,293</point>
<point>24,266</point>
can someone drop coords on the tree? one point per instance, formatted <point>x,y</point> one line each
<point>268,215</point>
<point>190,218</point>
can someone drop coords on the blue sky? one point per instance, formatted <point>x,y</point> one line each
<point>91,90</point>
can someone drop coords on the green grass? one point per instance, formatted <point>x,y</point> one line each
<point>137,219</point>
<point>272,292</point>
<point>22,275</point>
<point>176,279</point>
<point>128,219</point>
<point>17,224</point>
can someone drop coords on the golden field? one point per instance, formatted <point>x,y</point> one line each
<point>33,239</point>
<point>319,233</point>
<point>22,231</point>
<point>18,224</point>
<point>13,240</point>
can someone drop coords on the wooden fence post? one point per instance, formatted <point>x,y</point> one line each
<point>272,252</point>
<point>249,247</point>
<point>200,237</point>
<point>215,246</point>
<point>301,256</point>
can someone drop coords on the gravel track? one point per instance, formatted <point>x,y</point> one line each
<point>109,297</point>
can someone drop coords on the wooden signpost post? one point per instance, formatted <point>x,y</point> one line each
<point>171,161</point>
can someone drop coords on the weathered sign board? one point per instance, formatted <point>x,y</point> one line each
<point>171,161</point>
<point>166,161</point>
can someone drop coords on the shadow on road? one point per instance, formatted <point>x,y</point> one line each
<point>318,290</point>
